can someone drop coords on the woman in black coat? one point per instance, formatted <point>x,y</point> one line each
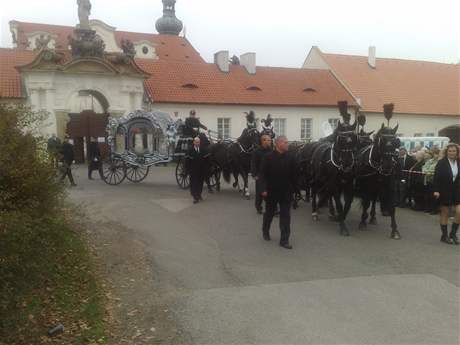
<point>446,187</point>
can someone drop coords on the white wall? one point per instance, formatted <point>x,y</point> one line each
<point>410,124</point>
<point>209,114</point>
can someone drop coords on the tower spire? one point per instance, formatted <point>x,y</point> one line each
<point>169,24</point>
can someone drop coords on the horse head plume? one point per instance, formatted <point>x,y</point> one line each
<point>343,108</point>
<point>388,111</point>
<point>361,120</point>
<point>251,116</point>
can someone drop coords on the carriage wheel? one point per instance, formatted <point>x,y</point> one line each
<point>215,176</point>
<point>114,172</point>
<point>182,177</point>
<point>136,173</point>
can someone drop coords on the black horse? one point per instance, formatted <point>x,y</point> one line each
<point>235,157</point>
<point>330,168</point>
<point>376,176</point>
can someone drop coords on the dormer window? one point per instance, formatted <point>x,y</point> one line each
<point>309,89</point>
<point>190,86</point>
<point>254,88</point>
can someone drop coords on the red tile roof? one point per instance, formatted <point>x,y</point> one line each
<point>167,46</point>
<point>416,87</point>
<point>279,86</point>
<point>182,76</point>
<point>10,81</point>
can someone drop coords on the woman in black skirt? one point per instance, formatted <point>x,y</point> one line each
<point>446,187</point>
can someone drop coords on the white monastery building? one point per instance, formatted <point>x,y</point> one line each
<point>82,78</point>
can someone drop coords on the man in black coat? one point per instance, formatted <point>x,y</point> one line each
<point>278,176</point>
<point>67,160</point>
<point>198,168</point>
<point>406,162</point>
<point>94,159</point>
<point>53,147</point>
<point>192,125</point>
<point>256,161</point>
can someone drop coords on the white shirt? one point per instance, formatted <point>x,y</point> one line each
<point>454,168</point>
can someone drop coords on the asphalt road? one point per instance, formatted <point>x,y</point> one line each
<point>225,285</point>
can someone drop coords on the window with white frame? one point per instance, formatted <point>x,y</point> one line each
<point>279,126</point>
<point>223,127</point>
<point>305,129</point>
<point>334,123</point>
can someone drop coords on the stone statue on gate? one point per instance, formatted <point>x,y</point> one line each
<point>84,10</point>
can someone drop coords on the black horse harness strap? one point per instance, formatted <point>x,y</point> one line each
<point>379,168</point>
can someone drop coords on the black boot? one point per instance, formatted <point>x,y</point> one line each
<point>445,237</point>
<point>453,234</point>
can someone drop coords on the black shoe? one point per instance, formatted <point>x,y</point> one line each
<point>446,239</point>
<point>196,201</point>
<point>454,240</point>
<point>267,237</point>
<point>286,245</point>
<point>260,211</point>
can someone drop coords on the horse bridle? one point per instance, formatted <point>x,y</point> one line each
<point>340,167</point>
<point>252,147</point>
<point>392,156</point>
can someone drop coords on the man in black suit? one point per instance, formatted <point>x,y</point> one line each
<point>67,160</point>
<point>94,159</point>
<point>197,167</point>
<point>278,176</point>
<point>257,156</point>
<point>406,162</point>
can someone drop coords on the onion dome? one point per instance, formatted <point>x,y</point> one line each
<point>169,24</point>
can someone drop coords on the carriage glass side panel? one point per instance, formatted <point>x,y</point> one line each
<point>140,137</point>
<point>120,140</point>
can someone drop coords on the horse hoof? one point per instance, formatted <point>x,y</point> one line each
<point>373,221</point>
<point>315,217</point>
<point>235,185</point>
<point>395,235</point>
<point>345,233</point>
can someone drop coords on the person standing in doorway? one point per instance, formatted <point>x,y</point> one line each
<point>94,159</point>
<point>446,187</point>
<point>67,160</point>
<point>278,176</point>
<point>257,156</point>
<point>197,167</point>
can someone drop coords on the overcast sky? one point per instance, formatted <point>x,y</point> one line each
<point>280,32</point>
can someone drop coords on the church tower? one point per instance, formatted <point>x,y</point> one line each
<point>169,24</point>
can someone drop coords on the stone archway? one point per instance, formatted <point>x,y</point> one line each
<point>453,132</point>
